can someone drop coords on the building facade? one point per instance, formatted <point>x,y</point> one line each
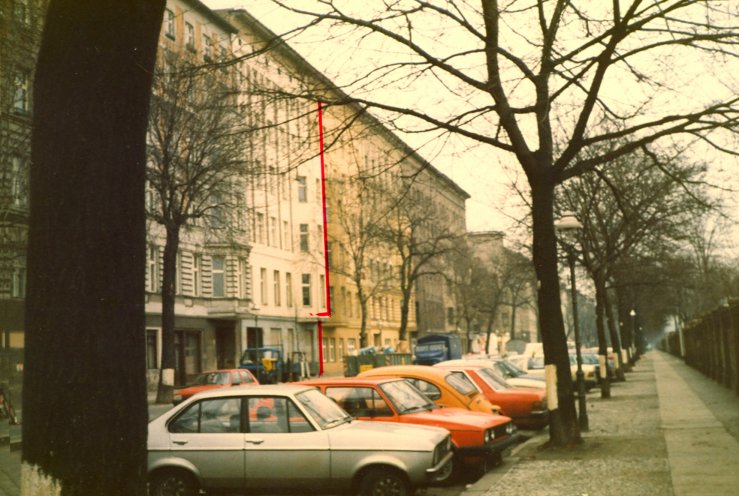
<point>273,264</point>
<point>21,23</point>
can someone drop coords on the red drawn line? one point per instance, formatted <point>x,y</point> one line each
<point>327,313</point>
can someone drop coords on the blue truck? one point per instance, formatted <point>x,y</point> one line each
<point>435,348</point>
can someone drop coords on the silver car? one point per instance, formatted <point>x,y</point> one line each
<point>287,438</point>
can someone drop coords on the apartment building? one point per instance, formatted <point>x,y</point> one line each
<point>212,287</point>
<point>21,22</point>
<point>284,197</point>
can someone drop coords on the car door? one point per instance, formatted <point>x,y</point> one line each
<point>283,450</point>
<point>207,434</point>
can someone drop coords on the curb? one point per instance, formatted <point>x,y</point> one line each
<point>492,477</point>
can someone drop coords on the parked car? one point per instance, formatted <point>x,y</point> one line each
<point>478,438</point>
<point>513,375</point>
<point>527,407</point>
<point>536,367</point>
<point>441,386</point>
<point>215,379</point>
<point>287,438</point>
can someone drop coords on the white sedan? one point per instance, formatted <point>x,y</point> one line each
<point>287,438</point>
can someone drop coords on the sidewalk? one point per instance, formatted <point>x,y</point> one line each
<point>654,436</point>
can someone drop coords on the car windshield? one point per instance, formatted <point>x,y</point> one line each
<point>461,383</point>
<point>323,409</point>
<point>493,379</point>
<point>405,397</point>
<point>212,378</point>
<point>510,369</point>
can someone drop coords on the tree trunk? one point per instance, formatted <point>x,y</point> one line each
<point>615,339</point>
<point>363,322</point>
<point>165,391</point>
<point>405,303</point>
<point>563,426</point>
<point>600,304</point>
<point>84,405</point>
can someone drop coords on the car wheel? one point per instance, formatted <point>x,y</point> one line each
<point>173,483</point>
<point>383,482</point>
<point>447,475</point>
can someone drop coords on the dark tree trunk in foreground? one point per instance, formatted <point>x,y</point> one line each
<point>563,426</point>
<point>84,405</point>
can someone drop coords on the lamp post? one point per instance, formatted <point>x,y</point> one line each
<point>632,313</point>
<point>569,226</point>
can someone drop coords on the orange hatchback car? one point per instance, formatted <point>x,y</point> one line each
<point>443,387</point>
<point>214,379</point>
<point>527,407</point>
<point>478,438</point>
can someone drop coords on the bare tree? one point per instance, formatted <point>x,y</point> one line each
<point>84,402</point>
<point>636,206</point>
<point>359,249</point>
<point>196,171</point>
<point>421,240</point>
<point>521,78</point>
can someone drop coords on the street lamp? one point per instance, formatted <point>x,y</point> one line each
<point>569,226</point>
<point>632,313</point>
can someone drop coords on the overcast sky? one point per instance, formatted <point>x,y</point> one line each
<point>489,186</point>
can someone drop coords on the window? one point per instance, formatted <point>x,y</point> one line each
<point>332,350</point>
<point>360,401</point>
<point>302,189</point>
<point>259,228</point>
<point>289,289</point>
<point>263,285</point>
<point>341,348</point>
<point>217,415</point>
<point>276,287</point>
<point>169,24</point>
<point>286,244</point>
<point>19,277</point>
<point>190,36</point>
<point>273,240</point>
<point>152,269</point>
<point>20,92</point>
<point>319,238</point>
<point>217,215</point>
<point>19,183</point>
<point>306,290</point>
<point>207,48</point>
<point>151,349</point>
<point>219,277</point>
<point>433,392</point>
<point>322,289</point>
<point>275,415</point>
<point>304,237</point>
<point>318,192</point>
<point>351,346</point>
<point>241,269</point>
<point>197,264</point>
